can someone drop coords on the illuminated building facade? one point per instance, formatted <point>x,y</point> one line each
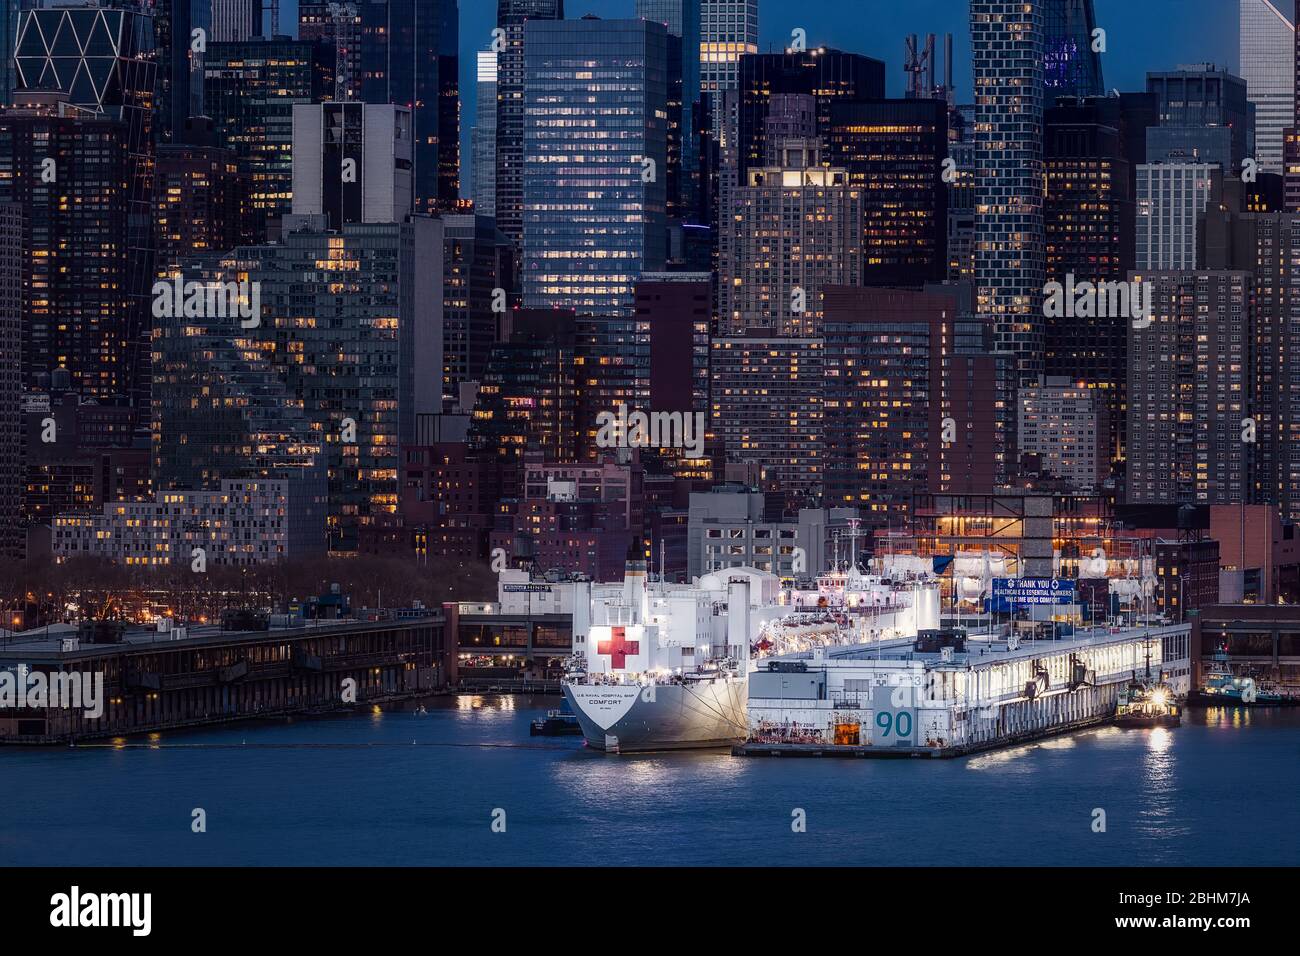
<point>509,198</point>
<point>250,90</point>
<point>1190,387</point>
<point>357,344</point>
<point>828,77</point>
<point>1007,38</point>
<point>793,229</point>
<point>728,31</point>
<point>104,59</point>
<point>893,151</point>
<point>767,408</point>
<point>1071,67</point>
<point>242,522</point>
<point>197,203</point>
<point>595,185</point>
<point>1093,148</point>
<point>75,256</point>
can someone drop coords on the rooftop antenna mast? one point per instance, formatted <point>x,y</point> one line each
<point>341,14</point>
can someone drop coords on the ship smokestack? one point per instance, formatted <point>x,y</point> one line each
<point>635,595</point>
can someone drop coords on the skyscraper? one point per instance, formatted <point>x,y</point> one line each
<point>483,138</point>
<point>682,19</point>
<point>1093,147</point>
<point>794,229</point>
<point>410,57</point>
<point>1170,200</point>
<point>234,21</point>
<point>1189,390</point>
<point>103,58</point>
<point>338,26</point>
<point>475,258</point>
<point>197,202</point>
<point>9,12</point>
<point>75,258</point>
<point>250,90</point>
<point>11,378</point>
<point>1071,67</point>
<point>511,17</point>
<point>595,134</point>
<point>893,151</point>
<point>1007,39</point>
<point>893,374</point>
<point>1199,103</point>
<point>728,31</point>
<point>766,408</point>
<point>827,76</point>
<point>1267,52</point>
<point>180,64</point>
<point>358,347</point>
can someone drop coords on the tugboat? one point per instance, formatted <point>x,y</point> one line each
<point>1144,703</point>
<point>1147,705</point>
<point>556,723</point>
<point>1223,688</point>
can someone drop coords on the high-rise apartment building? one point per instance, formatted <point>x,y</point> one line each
<point>1093,148</point>
<point>793,229</point>
<point>1064,425</point>
<point>766,409</point>
<point>1007,38</point>
<point>357,346</point>
<point>103,57</point>
<point>476,257</point>
<point>827,76</point>
<point>1190,390</point>
<point>11,378</point>
<point>728,31</point>
<point>905,409</point>
<point>76,311</point>
<point>197,203</point>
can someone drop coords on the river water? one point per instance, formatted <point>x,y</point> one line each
<point>403,788</point>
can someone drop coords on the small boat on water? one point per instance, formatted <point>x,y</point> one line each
<point>1222,688</point>
<point>556,723</point>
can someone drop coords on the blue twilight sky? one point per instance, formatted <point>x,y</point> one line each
<point>1141,35</point>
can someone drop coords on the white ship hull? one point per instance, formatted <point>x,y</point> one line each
<point>629,718</point>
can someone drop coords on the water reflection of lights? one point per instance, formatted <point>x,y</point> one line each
<point>1224,717</point>
<point>468,702</point>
